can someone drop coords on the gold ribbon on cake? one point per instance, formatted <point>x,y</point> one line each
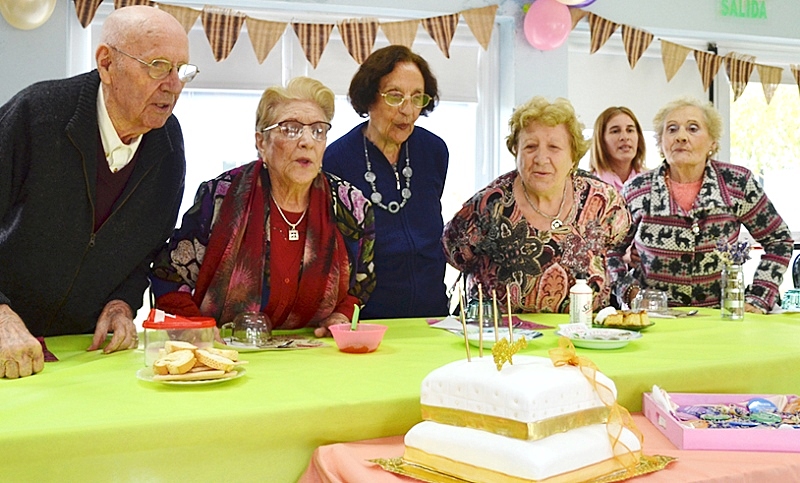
<point>618,416</point>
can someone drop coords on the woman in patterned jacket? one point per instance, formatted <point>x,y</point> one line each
<point>684,208</point>
<point>277,235</point>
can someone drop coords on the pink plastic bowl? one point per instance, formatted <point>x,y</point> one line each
<point>365,339</point>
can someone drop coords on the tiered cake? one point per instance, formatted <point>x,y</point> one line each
<point>530,421</point>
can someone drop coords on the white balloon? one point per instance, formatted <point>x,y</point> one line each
<point>27,14</point>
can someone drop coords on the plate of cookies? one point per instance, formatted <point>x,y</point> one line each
<point>183,363</point>
<point>611,318</point>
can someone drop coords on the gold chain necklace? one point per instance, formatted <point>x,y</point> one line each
<point>294,235</point>
<point>555,221</point>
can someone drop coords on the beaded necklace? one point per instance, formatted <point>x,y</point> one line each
<point>376,197</point>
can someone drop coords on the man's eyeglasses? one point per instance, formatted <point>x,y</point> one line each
<point>160,68</point>
<point>294,129</point>
<point>395,99</point>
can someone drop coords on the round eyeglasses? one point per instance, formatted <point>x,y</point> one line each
<point>160,68</point>
<point>396,99</point>
<point>294,129</point>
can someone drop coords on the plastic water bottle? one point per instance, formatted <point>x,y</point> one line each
<point>580,303</point>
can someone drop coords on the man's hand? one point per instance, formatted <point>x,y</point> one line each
<point>117,317</point>
<point>20,353</point>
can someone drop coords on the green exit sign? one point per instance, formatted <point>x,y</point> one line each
<point>744,8</point>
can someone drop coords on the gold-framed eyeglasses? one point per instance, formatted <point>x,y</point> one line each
<point>294,129</point>
<point>396,99</point>
<point>160,68</point>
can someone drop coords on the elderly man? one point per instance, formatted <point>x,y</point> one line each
<point>91,180</point>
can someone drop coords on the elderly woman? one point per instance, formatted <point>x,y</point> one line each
<point>532,232</point>
<point>402,169</point>
<point>276,235</point>
<point>618,147</point>
<point>681,209</point>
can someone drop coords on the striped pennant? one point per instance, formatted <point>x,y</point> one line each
<point>401,33</point>
<point>481,22</point>
<point>672,56</point>
<point>770,78</point>
<point>264,34</point>
<point>128,3</point>
<point>85,9</point>
<point>739,68</point>
<point>358,36</point>
<point>441,29</point>
<point>796,72</point>
<point>708,64</point>
<point>600,29</point>
<point>222,26</point>
<point>577,14</point>
<point>313,39</point>
<point>636,42</point>
<point>184,15</point>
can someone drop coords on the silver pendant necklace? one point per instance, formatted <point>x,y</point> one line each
<point>555,221</point>
<point>294,235</point>
<point>377,198</point>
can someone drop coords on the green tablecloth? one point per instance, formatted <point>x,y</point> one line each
<point>88,418</point>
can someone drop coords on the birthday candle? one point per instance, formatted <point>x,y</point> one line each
<point>480,321</point>
<point>494,315</point>
<point>508,300</point>
<point>463,321</point>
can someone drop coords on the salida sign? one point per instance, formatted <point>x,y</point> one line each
<point>744,8</point>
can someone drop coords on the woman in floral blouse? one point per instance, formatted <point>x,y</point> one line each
<point>683,208</point>
<point>532,232</point>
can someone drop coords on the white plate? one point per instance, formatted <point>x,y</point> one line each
<point>603,338</point>
<point>278,342</point>
<point>146,374</point>
<point>502,332</point>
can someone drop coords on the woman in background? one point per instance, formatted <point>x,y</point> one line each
<point>618,147</point>
<point>401,168</point>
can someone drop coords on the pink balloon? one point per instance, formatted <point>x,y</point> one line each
<point>547,24</point>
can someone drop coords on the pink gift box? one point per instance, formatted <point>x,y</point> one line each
<point>767,439</point>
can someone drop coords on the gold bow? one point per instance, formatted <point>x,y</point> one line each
<point>618,416</point>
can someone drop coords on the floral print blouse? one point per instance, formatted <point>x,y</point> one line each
<point>493,244</point>
<point>677,247</point>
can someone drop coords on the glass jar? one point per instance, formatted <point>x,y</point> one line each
<point>731,298</point>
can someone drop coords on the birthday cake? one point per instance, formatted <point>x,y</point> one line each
<point>530,421</point>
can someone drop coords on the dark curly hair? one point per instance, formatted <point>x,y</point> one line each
<point>365,86</point>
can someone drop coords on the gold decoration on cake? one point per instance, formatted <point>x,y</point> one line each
<point>504,350</point>
<point>618,417</point>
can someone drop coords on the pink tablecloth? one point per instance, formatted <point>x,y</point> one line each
<point>347,462</point>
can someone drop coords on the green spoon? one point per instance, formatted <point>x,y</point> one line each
<point>354,322</point>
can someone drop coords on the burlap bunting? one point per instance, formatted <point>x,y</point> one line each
<point>577,14</point>
<point>358,36</point>
<point>313,39</point>
<point>264,34</point>
<point>85,9</point>
<point>184,15</point>
<point>770,78</point>
<point>708,65</point>
<point>796,72</point>
<point>441,29</point>
<point>481,23</point>
<point>672,56</point>
<point>128,3</point>
<point>222,26</point>
<point>636,42</point>
<point>739,68</point>
<point>401,33</point>
<point>600,29</point>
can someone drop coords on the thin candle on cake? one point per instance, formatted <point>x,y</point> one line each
<point>494,315</point>
<point>480,321</point>
<point>463,321</point>
<point>510,322</point>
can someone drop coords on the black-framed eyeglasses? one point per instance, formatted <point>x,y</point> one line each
<point>395,99</point>
<point>160,68</point>
<point>294,129</point>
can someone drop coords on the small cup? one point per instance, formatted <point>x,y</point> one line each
<point>473,313</point>
<point>791,300</point>
<point>650,300</point>
<point>250,329</point>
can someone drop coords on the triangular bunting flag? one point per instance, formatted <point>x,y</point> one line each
<point>222,26</point>
<point>796,72</point>
<point>441,29</point>
<point>128,3</point>
<point>672,56</point>
<point>401,33</point>
<point>636,42</point>
<point>85,9</point>
<point>264,34</point>
<point>313,39</point>
<point>481,22</point>
<point>708,65</point>
<point>184,15</point>
<point>600,30</point>
<point>739,68</point>
<point>358,36</point>
<point>577,14</point>
<point>770,78</point>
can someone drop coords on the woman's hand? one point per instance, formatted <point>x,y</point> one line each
<point>20,353</point>
<point>753,309</point>
<point>116,317</point>
<point>334,318</point>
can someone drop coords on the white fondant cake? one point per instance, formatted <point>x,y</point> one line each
<point>530,391</point>
<point>583,453</point>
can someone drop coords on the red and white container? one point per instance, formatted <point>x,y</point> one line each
<point>161,327</point>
